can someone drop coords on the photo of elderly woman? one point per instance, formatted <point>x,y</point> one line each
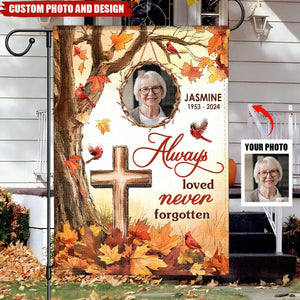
<point>149,96</point>
<point>268,172</point>
<point>149,88</point>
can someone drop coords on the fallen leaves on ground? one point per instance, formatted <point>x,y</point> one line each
<point>19,263</point>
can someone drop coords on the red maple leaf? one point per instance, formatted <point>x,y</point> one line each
<point>72,164</point>
<point>98,82</point>
<point>139,231</point>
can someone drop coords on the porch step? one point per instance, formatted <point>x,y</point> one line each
<point>250,267</point>
<point>252,246</point>
<point>252,242</point>
<point>248,222</point>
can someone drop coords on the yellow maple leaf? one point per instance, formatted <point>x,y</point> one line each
<point>217,74</point>
<point>119,40</point>
<point>197,269</point>
<point>95,230</point>
<point>205,61</point>
<point>191,2</point>
<point>109,256</point>
<point>161,241</point>
<point>67,236</point>
<point>103,126</point>
<point>184,258</point>
<point>140,262</point>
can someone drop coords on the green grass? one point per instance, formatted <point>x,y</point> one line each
<point>70,291</point>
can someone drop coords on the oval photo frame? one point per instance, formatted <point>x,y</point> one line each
<point>130,74</point>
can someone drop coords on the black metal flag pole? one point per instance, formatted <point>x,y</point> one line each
<point>48,46</point>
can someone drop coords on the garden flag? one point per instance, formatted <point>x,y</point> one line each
<point>141,150</point>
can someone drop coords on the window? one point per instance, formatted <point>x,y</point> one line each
<point>173,12</point>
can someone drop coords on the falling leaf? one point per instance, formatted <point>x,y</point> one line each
<point>109,256</point>
<point>67,236</point>
<point>197,269</point>
<point>81,53</point>
<point>83,118</point>
<point>103,126</point>
<point>72,164</point>
<point>55,35</point>
<point>81,67</point>
<point>119,40</point>
<point>217,74</point>
<point>191,72</point>
<point>191,2</point>
<point>140,262</point>
<point>98,82</point>
<point>161,241</point>
<point>205,61</point>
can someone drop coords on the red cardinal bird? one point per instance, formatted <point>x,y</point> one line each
<point>192,243</point>
<point>197,130</point>
<point>96,152</point>
<point>171,49</point>
<point>81,94</point>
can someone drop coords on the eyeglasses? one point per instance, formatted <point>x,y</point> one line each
<point>264,174</point>
<point>146,90</point>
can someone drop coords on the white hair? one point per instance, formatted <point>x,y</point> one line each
<point>149,77</point>
<point>269,162</point>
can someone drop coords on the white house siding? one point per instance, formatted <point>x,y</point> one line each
<point>261,72</point>
<point>265,71</point>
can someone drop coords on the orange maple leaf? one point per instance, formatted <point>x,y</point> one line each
<point>81,53</point>
<point>81,68</point>
<point>72,164</point>
<point>161,241</point>
<point>199,29</point>
<point>218,40</point>
<point>217,74</point>
<point>191,72</point>
<point>98,82</point>
<point>103,126</point>
<point>141,262</point>
<point>205,61</point>
<point>119,40</point>
<point>139,231</point>
<point>67,236</point>
<point>223,56</point>
<point>217,265</point>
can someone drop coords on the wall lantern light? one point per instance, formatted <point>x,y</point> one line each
<point>258,17</point>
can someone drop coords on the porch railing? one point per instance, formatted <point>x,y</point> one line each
<point>41,166</point>
<point>286,126</point>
